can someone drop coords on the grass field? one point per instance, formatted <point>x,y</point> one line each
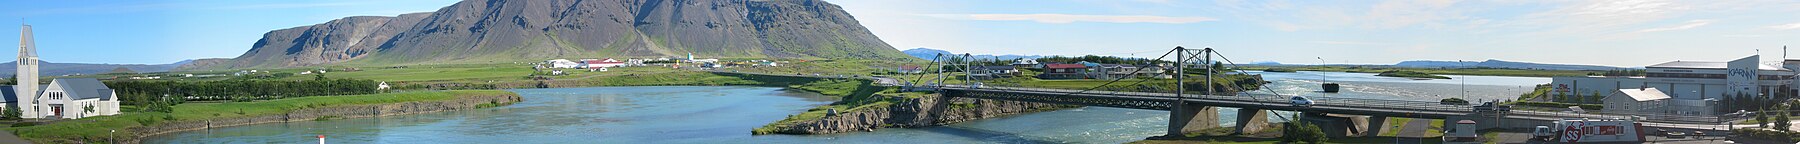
<point>96,129</point>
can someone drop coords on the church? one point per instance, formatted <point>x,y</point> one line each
<point>63,98</point>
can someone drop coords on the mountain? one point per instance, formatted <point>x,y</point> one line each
<point>1502,64</point>
<point>47,68</point>
<point>929,54</point>
<point>479,31</point>
<point>1435,64</point>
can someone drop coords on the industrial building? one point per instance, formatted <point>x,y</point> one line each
<point>1693,87</point>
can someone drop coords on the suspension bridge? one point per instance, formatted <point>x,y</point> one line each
<point>1190,111</point>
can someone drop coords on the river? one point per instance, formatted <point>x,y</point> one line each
<point>726,114</point>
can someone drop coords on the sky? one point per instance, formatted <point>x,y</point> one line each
<point>161,32</point>
<point>1627,33</point>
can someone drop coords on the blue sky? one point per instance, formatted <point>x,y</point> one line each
<point>1612,32</point>
<point>156,32</point>
<point>1609,32</point>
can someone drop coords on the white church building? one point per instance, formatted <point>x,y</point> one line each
<point>63,98</point>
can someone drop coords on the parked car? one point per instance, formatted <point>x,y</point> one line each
<point>1491,106</point>
<point>1300,101</point>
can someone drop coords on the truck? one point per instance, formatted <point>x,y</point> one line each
<point>1463,132</point>
<point>1591,131</point>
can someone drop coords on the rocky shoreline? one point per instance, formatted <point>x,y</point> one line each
<point>931,110</point>
<point>355,111</point>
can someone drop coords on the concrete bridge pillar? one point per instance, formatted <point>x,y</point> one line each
<point>1337,125</point>
<point>1186,118</point>
<point>1251,120</point>
<point>1376,123</point>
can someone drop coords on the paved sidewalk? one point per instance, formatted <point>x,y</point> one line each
<point>9,138</point>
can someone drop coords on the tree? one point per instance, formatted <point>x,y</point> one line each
<point>319,76</point>
<point>12,113</point>
<point>1781,121</point>
<point>1302,132</point>
<point>1762,118</point>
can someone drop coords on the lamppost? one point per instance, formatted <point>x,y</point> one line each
<point>109,136</point>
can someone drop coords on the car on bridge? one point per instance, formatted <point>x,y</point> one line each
<point>1300,101</point>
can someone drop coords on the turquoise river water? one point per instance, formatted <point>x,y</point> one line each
<point>726,114</point>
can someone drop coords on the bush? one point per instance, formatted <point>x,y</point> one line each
<point>1785,137</point>
<point>11,113</point>
<point>1301,132</point>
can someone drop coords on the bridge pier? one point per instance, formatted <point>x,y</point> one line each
<point>1338,125</point>
<point>1186,117</point>
<point>1250,120</point>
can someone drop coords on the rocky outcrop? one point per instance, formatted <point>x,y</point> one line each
<point>353,111</point>
<point>932,110</point>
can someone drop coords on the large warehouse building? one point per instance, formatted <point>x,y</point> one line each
<point>1691,84</point>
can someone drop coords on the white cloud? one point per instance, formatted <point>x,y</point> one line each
<point>1690,24</point>
<point>1071,18</point>
<point>1790,26</point>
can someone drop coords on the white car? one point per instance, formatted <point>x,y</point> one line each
<point>1300,101</point>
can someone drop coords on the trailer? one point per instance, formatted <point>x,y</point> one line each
<point>1591,131</point>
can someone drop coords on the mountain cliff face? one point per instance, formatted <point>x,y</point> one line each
<point>476,31</point>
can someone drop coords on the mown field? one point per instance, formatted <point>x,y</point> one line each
<point>96,129</point>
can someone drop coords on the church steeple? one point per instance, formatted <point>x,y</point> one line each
<point>27,77</point>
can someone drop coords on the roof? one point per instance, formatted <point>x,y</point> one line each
<point>1644,94</point>
<point>83,88</point>
<point>1705,65</point>
<point>996,67</point>
<point>1063,66</point>
<point>7,92</point>
<point>1465,122</point>
<point>1118,65</point>
<point>909,67</point>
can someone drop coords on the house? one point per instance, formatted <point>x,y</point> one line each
<point>68,98</point>
<point>1002,71</point>
<point>1114,71</point>
<point>601,63</point>
<point>909,69</point>
<point>1155,71</point>
<point>561,63</point>
<point>1026,63</point>
<point>1637,100</point>
<point>1064,71</point>
<point>1650,100</point>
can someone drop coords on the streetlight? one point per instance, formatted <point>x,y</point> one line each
<point>109,136</point>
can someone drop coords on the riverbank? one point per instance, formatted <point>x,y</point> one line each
<point>133,126</point>
<point>921,111</point>
<point>1410,74</point>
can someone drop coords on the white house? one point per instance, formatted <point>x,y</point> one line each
<point>1636,100</point>
<point>74,98</point>
<point>561,63</point>
<point>596,64</point>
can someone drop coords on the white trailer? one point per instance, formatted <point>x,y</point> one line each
<point>1593,131</point>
